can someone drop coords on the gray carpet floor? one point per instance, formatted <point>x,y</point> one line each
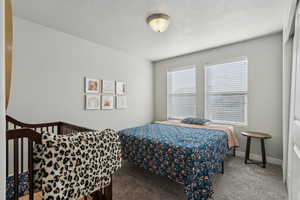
<point>240,182</point>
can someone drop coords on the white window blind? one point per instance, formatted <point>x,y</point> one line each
<point>227,92</point>
<point>182,93</point>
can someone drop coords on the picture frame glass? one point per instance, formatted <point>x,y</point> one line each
<point>121,87</point>
<point>108,87</point>
<point>92,85</point>
<point>121,102</point>
<point>107,102</point>
<point>92,102</point>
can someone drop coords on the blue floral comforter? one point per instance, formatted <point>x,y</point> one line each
<point>186,155</point>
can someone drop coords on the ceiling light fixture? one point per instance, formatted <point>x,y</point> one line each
<point>159,22</point>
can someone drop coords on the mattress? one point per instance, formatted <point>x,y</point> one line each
<point>186,155</point>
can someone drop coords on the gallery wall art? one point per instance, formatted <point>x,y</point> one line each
<point>105,94</point>
<point>92,85</point>
<point>108,87</point>
<point>121,87</point>
<point>107,102</point>
<point>121,102</point>
<point>92,102</point>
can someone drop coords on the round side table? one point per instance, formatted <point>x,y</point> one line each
<point>262,137</point>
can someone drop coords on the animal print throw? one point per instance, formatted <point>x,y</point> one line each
<point>69,167</point>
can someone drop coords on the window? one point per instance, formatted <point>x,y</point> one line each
<point>182,93</point>
<point>227,92</point>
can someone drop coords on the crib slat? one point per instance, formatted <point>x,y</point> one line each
<point>59,129</point>
<point>7,149</point>
<point>30,169</point>
<point>7,153</point>
<point>16,169</point>
<point>22,155</point>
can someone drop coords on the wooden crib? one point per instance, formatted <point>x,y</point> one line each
<point>22,137</point>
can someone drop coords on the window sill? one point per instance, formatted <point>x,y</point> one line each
<point>174,119</point>
<point>230,123</point>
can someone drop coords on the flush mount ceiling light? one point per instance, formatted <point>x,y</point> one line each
<point>159,22</point>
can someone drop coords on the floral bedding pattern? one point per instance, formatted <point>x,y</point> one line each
<point>23,186</point>
<point>186,155</point>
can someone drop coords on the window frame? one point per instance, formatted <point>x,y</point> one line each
<point>173,69</point>
<point>207,65</point>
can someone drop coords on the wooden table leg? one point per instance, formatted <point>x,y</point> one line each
<point>248,149</point>
<point>222,171</point>
<point>234,151</point>
<point>263,152</point>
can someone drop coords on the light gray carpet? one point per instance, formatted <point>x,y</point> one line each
<point>240,182</point>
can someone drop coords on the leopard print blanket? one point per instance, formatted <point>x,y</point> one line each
<point>69,167</point>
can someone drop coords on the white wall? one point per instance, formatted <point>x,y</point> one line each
<point>2,106</point>
<point>48,79</point>
<point>265,86</point>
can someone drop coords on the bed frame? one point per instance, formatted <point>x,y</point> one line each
<point>17,133</point>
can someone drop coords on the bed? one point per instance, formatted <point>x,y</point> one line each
<point>187,154</point>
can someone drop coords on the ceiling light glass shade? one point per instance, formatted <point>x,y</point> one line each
<point>159,22</point>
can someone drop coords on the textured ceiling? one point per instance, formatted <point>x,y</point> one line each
<point>120,24</point>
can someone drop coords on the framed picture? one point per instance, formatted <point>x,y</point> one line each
<point>92,85</point>
<point>121,87</point>
<point>121,102</point>
<point>92,102</point>
<point>108,87</point>
<point>107,102</point>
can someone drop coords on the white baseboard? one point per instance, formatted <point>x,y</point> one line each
<point>271,160</point>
